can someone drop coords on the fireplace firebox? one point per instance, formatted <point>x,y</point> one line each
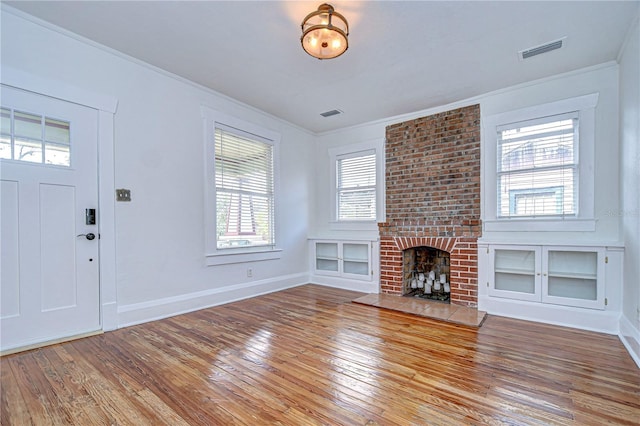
<point>426,273</point>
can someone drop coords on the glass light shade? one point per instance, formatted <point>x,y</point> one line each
<point>324,33</point>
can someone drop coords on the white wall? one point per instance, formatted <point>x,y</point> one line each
<point>159,150</point>
<point>322,215</point>
<point>159,156</point>
<point>630,191</point>
<point>604,81</point>
<point>601,79</point>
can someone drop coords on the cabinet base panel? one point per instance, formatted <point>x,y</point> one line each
<point>581,318</point>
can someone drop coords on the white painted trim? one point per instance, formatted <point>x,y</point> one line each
<point>539,225</point>
<point>152,310</point>
<point>106,106</point>
<point>562,106</point>
<point>630,338</point>
<point>210,119</point>
<point>353,225</point>
<point>608,245</point>
<point>584,319</point>
<point>107,220</point>
<point>57,89</point>
<point>346,284</point>
<point>372,145</point>
<point>585,220</point>
<point>243,257</point>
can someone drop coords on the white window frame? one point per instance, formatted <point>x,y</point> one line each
<point>584,220</point>
<point>214,256</point>
<point>574,165</point>
<point>375,146</point>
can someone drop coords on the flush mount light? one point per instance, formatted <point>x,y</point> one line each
<point>324,33</point>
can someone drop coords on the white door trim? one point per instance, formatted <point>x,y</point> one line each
<point>106,106</point>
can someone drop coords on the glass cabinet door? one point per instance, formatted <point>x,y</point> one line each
<point>355,258</point>
<point>560,275</point>
<point>327,257</point>
<point>572,277</point>
<point>516,273</point>
<point>348,259</point>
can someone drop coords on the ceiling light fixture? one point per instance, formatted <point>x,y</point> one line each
<point>324,33</point>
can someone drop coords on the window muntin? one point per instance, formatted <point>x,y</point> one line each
<point>537,167</point>
<point>33,138</point>
<point>356,186</point>
<point>244,182</point>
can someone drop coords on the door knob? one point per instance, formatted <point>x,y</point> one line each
<point>90,236</point>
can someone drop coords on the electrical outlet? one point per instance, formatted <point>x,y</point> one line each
<point>123,194</point>
<point>249,272</point>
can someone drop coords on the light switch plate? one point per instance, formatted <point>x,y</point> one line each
<point>123,194</point>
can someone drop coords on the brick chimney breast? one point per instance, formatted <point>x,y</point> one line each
<point>433,197</point>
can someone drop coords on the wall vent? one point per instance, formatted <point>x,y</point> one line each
<point>543,48</point>
<point>330,113</point>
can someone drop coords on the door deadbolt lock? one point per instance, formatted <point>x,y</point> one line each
<point>90,236</point>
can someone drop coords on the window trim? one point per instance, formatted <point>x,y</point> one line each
<point>585,219</point>
<point>375,146</point>
<point>214,256</point>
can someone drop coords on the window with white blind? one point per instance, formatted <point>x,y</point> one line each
<point>356,186</point>
<point>537,167</point>
<point>244,190</point>
<point>241,190</point>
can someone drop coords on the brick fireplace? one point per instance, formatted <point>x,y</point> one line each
<point>433,198</point>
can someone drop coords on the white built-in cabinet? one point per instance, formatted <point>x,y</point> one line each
<point>348,259</point>
<point>559,275</point>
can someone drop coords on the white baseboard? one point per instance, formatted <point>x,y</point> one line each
<point>346,284</point>
<point>152,310</point>
<point>584,319</point>
<point>630,338</point>
<point>109,316</point>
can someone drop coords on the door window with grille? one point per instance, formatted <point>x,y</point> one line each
<point>34,138</point>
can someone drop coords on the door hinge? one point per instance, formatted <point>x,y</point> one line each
<point>487,250</point>
<point>487,283</point>
<point>606,259</point>
<point>606,301</point>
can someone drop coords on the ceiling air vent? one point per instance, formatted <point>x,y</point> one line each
<point>543,48</point>
<point>330,113</point>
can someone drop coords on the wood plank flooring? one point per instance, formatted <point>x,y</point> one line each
<point>308,356</point>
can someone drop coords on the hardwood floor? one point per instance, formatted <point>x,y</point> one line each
<point>309,356</point>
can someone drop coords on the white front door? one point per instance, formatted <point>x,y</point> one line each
<point>49,263</point>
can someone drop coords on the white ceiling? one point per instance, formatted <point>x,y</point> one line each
<point>403,56</point>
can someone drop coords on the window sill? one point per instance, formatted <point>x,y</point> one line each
<point>355,225</point>
<point>539,225</point>
<point>243,257</point>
